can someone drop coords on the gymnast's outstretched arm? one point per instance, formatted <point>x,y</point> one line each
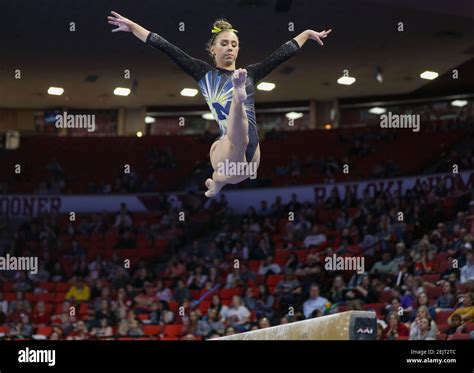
<point>192,66</point>
<point>261,69</point>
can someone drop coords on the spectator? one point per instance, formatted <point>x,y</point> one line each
<point>385,267</point>
<point>215,321</point>
<point>197,280</point>
<point>249,300</point>
<point>265,302</point>
<point>267,267</point>
<point>315,302</point>
<point>181,292</point>
<point>135,329</point>
<point>80,332</point>
<point>103,330</point>
<point>22,329</point>
<point>163,293</point>
<point>40,316</point>
<point>467,272</point>
<point>447,299</point>
<point>419,331</point>
<point>292,262</point>
<point>456,326</point>
<point>423,331</point>
<point>315,238</point>
<point>288,290</point>
<point>467,310</point>
<point>338,290</point>
<point>79,292</point>
<point>395,328</point>
<point>237,315</point>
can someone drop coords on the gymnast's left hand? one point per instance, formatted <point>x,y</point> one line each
<point>314,35</point>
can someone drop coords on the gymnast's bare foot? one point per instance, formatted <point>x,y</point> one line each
<point>214,187</point>
<point>238,81</point>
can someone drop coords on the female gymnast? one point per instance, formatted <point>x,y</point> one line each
<point>229,92</point>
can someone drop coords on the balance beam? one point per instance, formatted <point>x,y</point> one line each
<point>350,325</point>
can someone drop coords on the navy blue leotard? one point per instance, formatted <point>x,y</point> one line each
<point>215,83</point>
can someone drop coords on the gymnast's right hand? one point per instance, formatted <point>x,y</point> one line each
<point>124,24</point>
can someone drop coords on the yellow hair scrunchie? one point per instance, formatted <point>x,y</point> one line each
<point>216,30</point>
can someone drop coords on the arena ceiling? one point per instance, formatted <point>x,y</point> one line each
<point>89,63</point>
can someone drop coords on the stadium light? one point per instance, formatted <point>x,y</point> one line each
<point>120,91</point>
<point>429,75</point>
<point>293,115</point>
<point>377,110</point>
<point>265,86</point>
<point>459,103</point>
<point>208,116</point>
<point>346,80</point>
<point>55,91</point>
<point>189,92</point>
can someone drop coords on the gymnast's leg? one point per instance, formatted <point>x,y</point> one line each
<point>233,145</point>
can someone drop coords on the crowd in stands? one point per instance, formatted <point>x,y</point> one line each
<point>248,272</point>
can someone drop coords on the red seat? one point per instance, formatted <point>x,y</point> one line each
<point>9,296</point>
<point>469,327</point>
<point>7,287</point>
<point>46,297</point>
<point>151,330</point>
<point>30,297</point>
<point>273,280</point>
<point>62,287</point>
<point>59,297</point>
<point>377,307</point>
<point>254,265</point>
<point>204,306</point>
<point>143,316</point>
<point>441,337</point>
<point>433,292</point>
<point>83,309</point>
<point>173,306</point>
<point>173,330</point>
<point>431,278</point>
<point>195,293</point>
<point>386,296</point>
<point>4,330</point>
<point>461,336</point>
<point>49,286</point>
<point>45,330</point>
<point>228,293</point>
<point>442,317</point>
<point>443,327</point>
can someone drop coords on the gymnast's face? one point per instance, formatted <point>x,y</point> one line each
<point>226,49</point>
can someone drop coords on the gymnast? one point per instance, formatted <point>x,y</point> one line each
<point>229,92</point>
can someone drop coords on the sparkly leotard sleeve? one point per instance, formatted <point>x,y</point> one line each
<point>215,83</point>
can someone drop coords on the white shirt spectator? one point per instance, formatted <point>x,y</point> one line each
<point>314,240</point>
<point>467,273</point>
<point>123,220</point>
<point>164,294</point>
<point>4,306</point>
<point>310,305</point>
<point>239,314</point>
<point>275,268</point>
